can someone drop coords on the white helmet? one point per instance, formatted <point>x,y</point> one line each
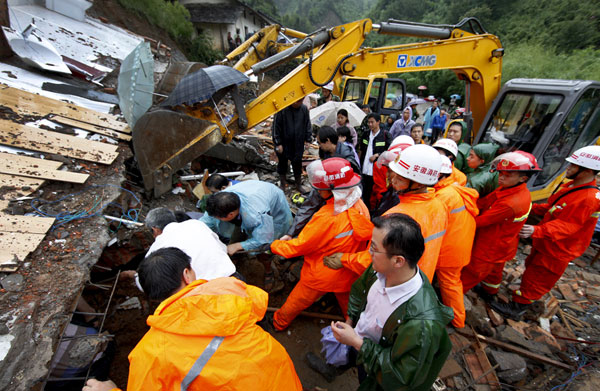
<point>328,86</point>
<point>447,145</point>
<point>446,165</point>
<point>401,140</point>
<point>586,157</point>
<point>419,163</point>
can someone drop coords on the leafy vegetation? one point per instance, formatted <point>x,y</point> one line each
<point>555,39</point>
<point>174,18</point>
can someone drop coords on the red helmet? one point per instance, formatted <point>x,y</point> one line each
<point>515,161</point>
<point>331,174</point>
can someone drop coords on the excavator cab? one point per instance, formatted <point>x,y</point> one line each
<point>548,118</point>
<point>384,96</point>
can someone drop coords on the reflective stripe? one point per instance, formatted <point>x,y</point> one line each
<point>435,236</point>
<point>490,285</point>
<point>518,293</point>
<point>458,209</point>
<point>595,214</point>
<point>380,144</point>
<point>344,234</point>
<point>524,217</point>
<point>198,366</point>
<point>365,141</point>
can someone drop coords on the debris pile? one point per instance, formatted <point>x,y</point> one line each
<point>556,341</point>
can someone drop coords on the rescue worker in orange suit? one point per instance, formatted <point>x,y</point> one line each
<point>203,336</point>
<point>341,225</point>
<point>413,171</point>
<point>384,196</point>
<point>502,214</point>
<point>564,233</point>
<point>447,147</point>
<point>456,245</point>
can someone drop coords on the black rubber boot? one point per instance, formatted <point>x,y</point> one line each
<point>483,294</point>
<point>511,310</point>
<point>319,365</point>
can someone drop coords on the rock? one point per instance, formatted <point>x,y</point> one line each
<point>495,317</point>
<point>477,318</point>
<point>513,375</point>
<point>507,361</point>
<point>12,283</point>
<point>4,329</point>
<point>510,335</point>
<point>593,292</point>
<point>468,304</point>
<point>450,368</point>
<point>590,277</point>
<point>567,292</point>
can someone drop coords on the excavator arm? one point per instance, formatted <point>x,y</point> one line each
<point>474,58</point>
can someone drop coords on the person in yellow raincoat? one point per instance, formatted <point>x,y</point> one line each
<point>204,335</point>
<point>342,225</point>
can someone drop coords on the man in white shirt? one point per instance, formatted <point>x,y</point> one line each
<point>400,337</point>
<point>371,145</point>
<point>208,254</point>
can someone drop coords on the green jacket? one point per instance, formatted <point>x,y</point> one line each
<point>414,343</point>
<point>463,147</point>
<point>481,179</point>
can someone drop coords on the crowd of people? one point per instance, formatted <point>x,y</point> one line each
<point>383,222</point>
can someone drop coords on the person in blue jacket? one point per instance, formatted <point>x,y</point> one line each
<point>259,209</point>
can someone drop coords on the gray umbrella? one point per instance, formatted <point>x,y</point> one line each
<point>202,84</point>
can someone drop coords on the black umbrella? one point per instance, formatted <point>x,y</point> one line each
<point>202,84</point>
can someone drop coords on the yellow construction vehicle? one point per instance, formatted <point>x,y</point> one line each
<point>262,44</point>
<point>166,140</point>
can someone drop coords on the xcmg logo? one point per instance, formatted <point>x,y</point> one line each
<point>404,61</point>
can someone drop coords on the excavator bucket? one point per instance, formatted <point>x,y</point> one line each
<point>165,141</point>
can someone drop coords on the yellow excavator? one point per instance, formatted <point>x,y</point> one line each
<point>549,118</point>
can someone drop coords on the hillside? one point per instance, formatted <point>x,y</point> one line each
<point>556,39</point>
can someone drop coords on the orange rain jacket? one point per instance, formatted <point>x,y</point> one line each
<point>206,336</point>
<point>567,227</point>
<point>326,234</point>
<point>462,208</point>
<point>432,216</point>
<point>502,215</point>
<point>458,177</point>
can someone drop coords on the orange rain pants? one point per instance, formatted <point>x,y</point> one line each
<point>326,233</point>
<point>300,298</point>
<point>455,252</point>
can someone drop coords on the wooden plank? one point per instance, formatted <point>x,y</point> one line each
<point>42,163</point>
<point>24,103</point>
<point>90,127</point>
<point>25,224</point>
<point>13,186</point>
<point>19,242</point>
<point>516,349</point>
<point>7,166</point>
<point>28,137</point>
<point>8,263</point>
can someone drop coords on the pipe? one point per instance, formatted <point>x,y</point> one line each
<point>200,176</point>
<point>413,30</point>
<point>307,44</point>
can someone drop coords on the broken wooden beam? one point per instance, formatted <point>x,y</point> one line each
<point>516,349</point>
